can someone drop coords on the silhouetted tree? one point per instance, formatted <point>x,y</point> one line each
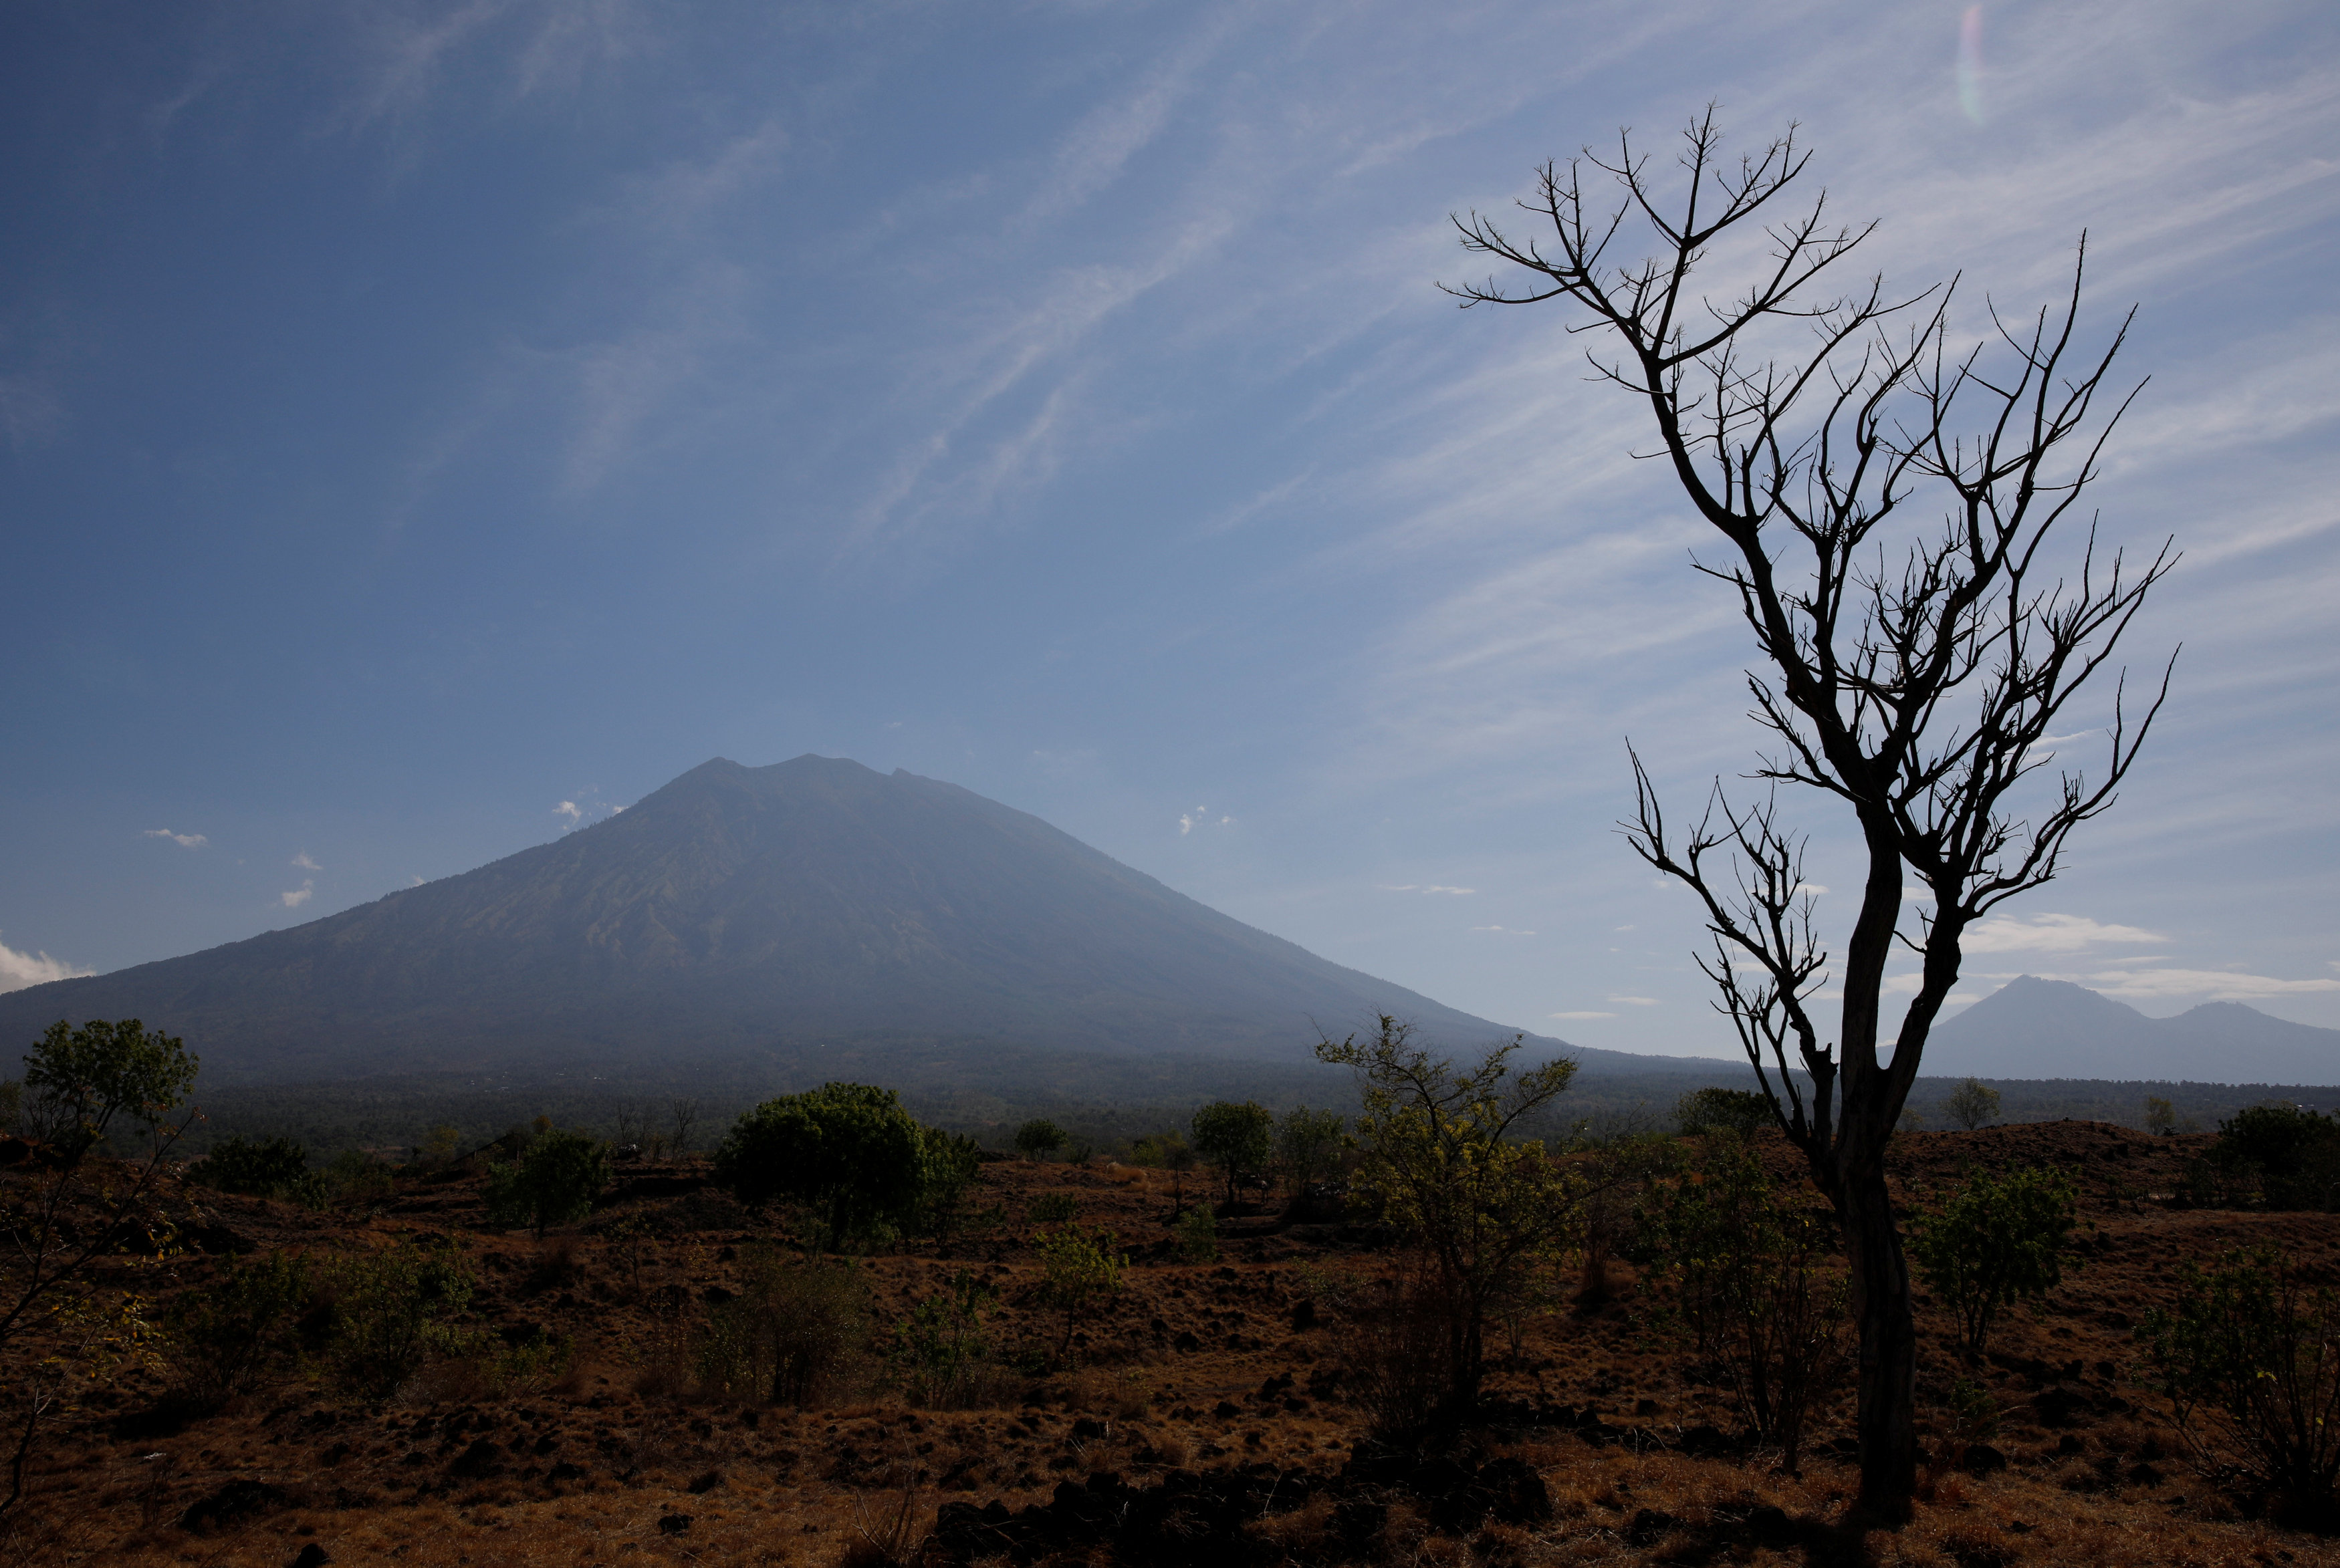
<point>1915,676</point>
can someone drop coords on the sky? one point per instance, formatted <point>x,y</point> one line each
<point>427,427</point>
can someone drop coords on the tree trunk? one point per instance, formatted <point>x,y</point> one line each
<point>1886,1422</point>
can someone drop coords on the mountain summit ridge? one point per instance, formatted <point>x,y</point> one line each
<point>2031,1028</point>
<point>742,908</point>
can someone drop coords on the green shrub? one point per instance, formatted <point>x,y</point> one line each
<point>388,1310</point>
<point>230,1334</point>
<point>1972,1104</point>
<point>268,1169</point>
<point>358,1179</point>
<point>1078,1268</point>
<point>2250,1362</point>
<point>554,1183</point>
<point>1486,1209</point>
<point>1053,1207</point>
<point>1162,1151</point>
<point>1742,1111</point>
<point>943,1357</point>
<point>1039,1138</point>
<point>2292,1156</point>
<point>1750,1275</point>
<point>1996,1241</point>
<point>1198,1235</point>
<point>1308,1145</point>
<point>848,1152</point>
<point>788,1335</point>
<point>949,1164</point>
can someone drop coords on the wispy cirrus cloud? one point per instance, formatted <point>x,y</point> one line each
<point>183,839</point>
<point>2050,934</point>
<point>2154,984</point>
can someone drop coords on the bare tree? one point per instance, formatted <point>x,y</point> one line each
<point>685,1113</point>
<point>1912,666</point>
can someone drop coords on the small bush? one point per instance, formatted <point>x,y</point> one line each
<point>943,1358</point>
<point>1742,1111</point>
<point>1972,1104</point>
<point>1163,1151</point>
<point>1237,1138</point>
<point>358,1179</point>
<point>1750,1275</point>
<point>1996,1242</point>
<point>789,1337</point>
<point>1308,1145</point>
<point>554,1182</point>
<point>950,1164</point>
<point>1053,1207</point>
<point>229,1335</point>
<point>270,1168</point>
<point>1039,1138</point>
<point>2250,1362</point>
<point>1198,1235</point>
<point>386,1312</point>
<point>1078,1270</point>
<point>1395,1355</point>
<point>2291,1156</point>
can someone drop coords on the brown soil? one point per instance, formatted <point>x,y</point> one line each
<point>1208,1377</point>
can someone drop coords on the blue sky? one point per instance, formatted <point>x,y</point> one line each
<point>426,428</point>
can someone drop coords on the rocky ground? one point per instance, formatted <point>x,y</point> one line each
<point>1203,1416</point>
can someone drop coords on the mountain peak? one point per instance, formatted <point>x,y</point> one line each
<point>765,909</point>
<point>2031,1028</point>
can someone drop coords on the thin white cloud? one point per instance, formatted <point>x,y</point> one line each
<point>183,839</point>
<point>1579,1015</point>
<point>1503,930</point>
<point>571,810</point>
<point>1636,1000</point>
<point>1425,888</point>
<point>303,862</point>
<point>300,895</point>
<point>19,970</point>
<point>2212,984</point>
<point>2049,933</point>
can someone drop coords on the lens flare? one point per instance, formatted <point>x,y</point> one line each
<point>1971,64</point>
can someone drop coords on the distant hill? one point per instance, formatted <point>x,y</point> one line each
<point>773,915</point>
<point>2041,1029</point>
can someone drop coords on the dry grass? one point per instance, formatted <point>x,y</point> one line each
<point>584,1468</point>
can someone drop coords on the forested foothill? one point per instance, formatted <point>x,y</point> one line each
<point>1437,1320</point>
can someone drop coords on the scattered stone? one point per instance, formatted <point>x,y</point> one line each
<point>673,1523</point>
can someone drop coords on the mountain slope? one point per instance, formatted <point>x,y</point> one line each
<point>751,910</point>
<point>2036,1028</point>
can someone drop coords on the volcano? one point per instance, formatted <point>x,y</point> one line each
<point>787,909</point>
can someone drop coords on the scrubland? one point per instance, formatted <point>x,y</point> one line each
<point>1206,1411</point>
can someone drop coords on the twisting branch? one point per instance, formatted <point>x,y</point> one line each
<point>1911,669</point>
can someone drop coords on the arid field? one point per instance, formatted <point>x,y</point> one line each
<point>1202,1413</point>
